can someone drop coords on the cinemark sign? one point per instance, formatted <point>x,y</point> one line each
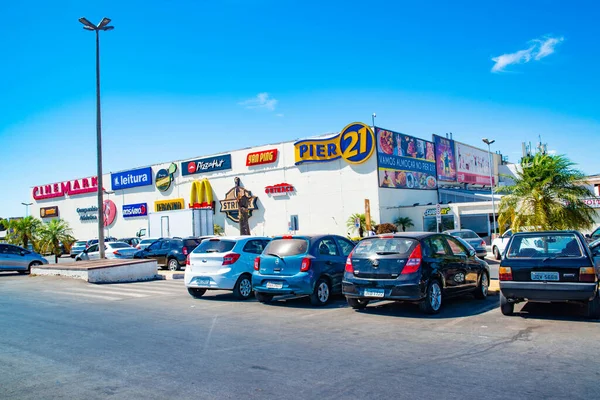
<point>68,188</point>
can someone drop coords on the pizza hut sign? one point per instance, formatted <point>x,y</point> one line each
<point>281,189</point>
<point>68,188</point>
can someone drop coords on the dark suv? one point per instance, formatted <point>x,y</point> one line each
<point>170,252</point>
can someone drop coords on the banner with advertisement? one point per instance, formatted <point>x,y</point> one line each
<point>472,165</point>
<point>445,161</point>
<point>405,162</point>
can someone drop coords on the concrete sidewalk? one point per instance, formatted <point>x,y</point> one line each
<point>168,275</point>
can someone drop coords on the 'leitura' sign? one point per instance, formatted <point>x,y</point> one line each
<point>68,188</point>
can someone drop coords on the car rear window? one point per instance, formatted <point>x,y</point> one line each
<point>214,246</point>
<point>384,246</point>
<point>465,234</point>
<point>286,247</point>
<point>119,245</point>
<point>148,241</point>
<point>544,245</point>
<point>82,243</point>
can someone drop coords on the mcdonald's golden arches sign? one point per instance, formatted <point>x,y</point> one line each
<point>201,195</point>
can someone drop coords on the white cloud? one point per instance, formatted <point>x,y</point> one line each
<point>539,49</point>
<point>279,115</point>
<point>262,100</point>
<point>547,47</point>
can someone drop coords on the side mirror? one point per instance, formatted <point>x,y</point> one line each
<point>23,252</point>
<point>587,235</point>
<point>472,253</point>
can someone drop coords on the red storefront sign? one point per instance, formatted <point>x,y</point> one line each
<point>261,157</point>
<point>281,189</point>
<point>70,188</point>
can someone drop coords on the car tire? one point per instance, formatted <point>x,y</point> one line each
<point>481,291</point>
<point>173,264</point>
<point>196,292</point>
<point>243,288</point>
<point>593,307</point>
<point>321,294</point>
<point>28,270</point>
<point>506,307</point>
<point>263,297</point>
<point>496,252</point>
<point>357,304</point>
<point>432,303</point>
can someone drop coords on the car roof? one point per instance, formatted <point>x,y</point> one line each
<point>545,233</point>
<point>410,235</point>
<point>457,230</point>
<point>238,238</point>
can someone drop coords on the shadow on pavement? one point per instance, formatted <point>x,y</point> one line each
<point>452,308</point>
<point>553,311</point>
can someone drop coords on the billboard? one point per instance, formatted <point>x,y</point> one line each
<point>445,160</point>
<point>405,162</point>
<point>472,165</point>
<point>133,178</point>
<point>204,165</point>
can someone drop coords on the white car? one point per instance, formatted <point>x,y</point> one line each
<point>112,250</point>
<point>145,243</point>
<point>499,244</point>
<point>223,263</point>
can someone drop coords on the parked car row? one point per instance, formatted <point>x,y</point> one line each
<point>17,258</point>
<point>423,268</point>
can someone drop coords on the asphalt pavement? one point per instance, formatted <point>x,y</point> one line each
<point>63,338</point>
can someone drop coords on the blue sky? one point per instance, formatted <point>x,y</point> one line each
<point>187,78</point>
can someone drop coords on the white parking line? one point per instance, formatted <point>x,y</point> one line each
<point>107,291</point>
<point>93,296</point>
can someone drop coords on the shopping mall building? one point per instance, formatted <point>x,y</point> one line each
<point>306,186</point>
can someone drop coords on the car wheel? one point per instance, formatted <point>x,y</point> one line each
<point>28,270</point>
<point>321,294</point>
<point>593,307</point>
<point>173,264</point>
<point>243,288</point>
<point>196,293</point>
<point>357,304</point>
<point>506,307</point>
<point>432,302</point>
<point>263,297</point>
<point>497,254</point>
<point>481,291</point>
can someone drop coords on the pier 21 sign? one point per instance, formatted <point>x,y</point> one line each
<point>355,144</point>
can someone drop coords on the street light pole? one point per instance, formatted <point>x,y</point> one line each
<point>102,26</point>
<point>27,208</point>
<point>489,143</point>
<point>373,120</point>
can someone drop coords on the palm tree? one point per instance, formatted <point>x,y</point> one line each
<point>52,234</point>
<point>404,222</point>
<point>21,231</point>
<point>218,230</point>
<point>351,223</point>
<point>547,194</point>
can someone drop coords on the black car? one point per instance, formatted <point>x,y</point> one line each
<point>419,267</point>
<point>132,241</point>
<point>170,252</point>
<point>551,266</point>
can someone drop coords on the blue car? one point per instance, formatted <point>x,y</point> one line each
<point>302,265</point>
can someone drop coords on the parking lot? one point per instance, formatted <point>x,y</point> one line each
<point>152,340</point>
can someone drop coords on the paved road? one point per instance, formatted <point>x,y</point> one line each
<point>62,338</point>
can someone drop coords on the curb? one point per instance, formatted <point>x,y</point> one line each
<point>494,287</point>
<point>169,275</point>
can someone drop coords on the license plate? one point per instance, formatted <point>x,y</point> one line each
<point>274,285</point>
<point>203,282</point>
<point>544,276</point>
<point>373,293</point>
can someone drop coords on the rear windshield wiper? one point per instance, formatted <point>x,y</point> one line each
<point>561,256</point>
<point>276,255</point>
<point>386,253</point>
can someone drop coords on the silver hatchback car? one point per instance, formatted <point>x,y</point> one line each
<point>15,258</point>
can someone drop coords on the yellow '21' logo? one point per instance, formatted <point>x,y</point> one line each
<point>355,144</point>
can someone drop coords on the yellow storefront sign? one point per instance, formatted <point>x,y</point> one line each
<point>169,205</point>
<point>201,195</point>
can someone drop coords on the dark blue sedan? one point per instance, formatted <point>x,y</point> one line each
<point>302,265</point>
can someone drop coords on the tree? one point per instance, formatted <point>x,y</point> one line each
<point>350,223</point>
<point>404,222</point>
<point>21,231</point>
<point>386,228</point>
<point>218,230</point>
<point>52,234</point>
<point>547,194</point>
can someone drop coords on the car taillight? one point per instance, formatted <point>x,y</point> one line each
<point>286,237</point>
<point>587,274</point>
<point>386,236</point>
<point>305,266</point>
<point>116,253</point>
<point>230,258</point>
<point>483,243</point>
<point>187,260</point>
<point>257,263</point>
<point>138,247</point>
<point>349,267</point>
<point>414,261</point>
<point>505,274</point>
<point>185,251</point>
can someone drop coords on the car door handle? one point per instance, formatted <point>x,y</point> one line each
<point>329,262</point>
